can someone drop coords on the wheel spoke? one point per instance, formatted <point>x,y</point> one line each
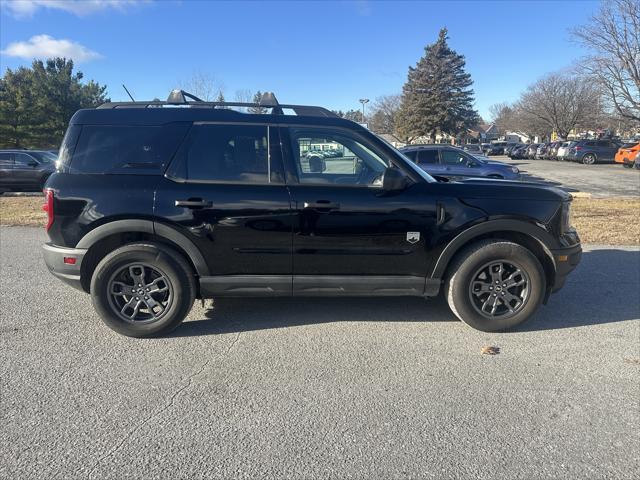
<point>153,305</point>
<point>508,297</point>
<point>496,273</point>
<point>120,289</point>
<point>133,304</point>
<point>137,274</point>
<point>480,288</point>
<point>158,285</point>
<point>511,281</point>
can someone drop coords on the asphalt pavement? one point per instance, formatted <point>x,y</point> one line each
<point>600,180</point>
<point>320,388</point>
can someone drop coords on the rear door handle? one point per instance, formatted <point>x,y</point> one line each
<point>193,203</point>
<point>322,205</point>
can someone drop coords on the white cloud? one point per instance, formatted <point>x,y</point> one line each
<point>26,8</point>
<point>45,46</point>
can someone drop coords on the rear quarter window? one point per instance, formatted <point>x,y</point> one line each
<point>126,149</point>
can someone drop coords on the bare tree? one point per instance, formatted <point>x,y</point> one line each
<point>561,103</point>
<point>203,85</point>
<point>613,36</point>
<point>503,116</point>
<point>382,118</point>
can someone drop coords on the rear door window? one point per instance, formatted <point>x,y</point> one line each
<point>6,159</point>
<point>428,157</point>
<point>126,149</point>
<point>228,154</point>
<point>22,160</point>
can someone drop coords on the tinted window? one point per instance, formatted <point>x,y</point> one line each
<point>125,149</point>
<point>44,157</point>
<point>413,154</point>
<point>451,157</point>
<point>23,160</point>
<point>6,159</point>
<point>228,153</point>
<point>428,156</point>
<point>590,144</point>
<point>323,156</point>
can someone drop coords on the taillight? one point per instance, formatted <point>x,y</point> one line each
<point>48,207</point>
<point>577,149</point>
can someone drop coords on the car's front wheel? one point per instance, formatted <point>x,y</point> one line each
<point>495,285</point>
<point>143,289</point>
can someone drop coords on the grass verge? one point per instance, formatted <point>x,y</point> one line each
<point>610,221</point>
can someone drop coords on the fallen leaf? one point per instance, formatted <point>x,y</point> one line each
<point>633,361</point>
<point>490,350</point>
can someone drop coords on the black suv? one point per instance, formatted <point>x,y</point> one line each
<point>25,170</point>
<point>152,207</point>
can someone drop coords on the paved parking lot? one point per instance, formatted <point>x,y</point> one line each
<point>601,180</point>
<point>313,388</point>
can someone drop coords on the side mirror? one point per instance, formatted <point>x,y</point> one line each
<point>393,180</point>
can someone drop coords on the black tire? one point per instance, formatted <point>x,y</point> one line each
<point>466,305</point>
<point>589,159</point>
<point>171,270</point>
<point>627,165</point>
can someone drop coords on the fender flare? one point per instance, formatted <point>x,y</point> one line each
<point>544,238</point>
<point>147,226</point>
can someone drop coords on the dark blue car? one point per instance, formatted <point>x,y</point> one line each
<point>445,160</point>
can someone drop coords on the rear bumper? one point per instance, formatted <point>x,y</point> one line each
<point>54,258</point>
<point>566,260</point>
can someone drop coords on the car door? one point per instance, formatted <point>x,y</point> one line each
<point>225,191</point>
<point>456,162</point>
<point>25,172</point>
<point>6,169</point>
<point>350,236</point>
<point>608,149</point>
<point>429,160</point>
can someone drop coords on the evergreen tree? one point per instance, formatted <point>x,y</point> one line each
<point>256,99</point>
<point>436,96</point>
<point>37,103</point>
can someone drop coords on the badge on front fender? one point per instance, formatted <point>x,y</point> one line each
<point>413,237</point>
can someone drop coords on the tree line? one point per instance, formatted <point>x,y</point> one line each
<point>37,103</point>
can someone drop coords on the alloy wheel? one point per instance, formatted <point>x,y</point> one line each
<point>140,293</point>
<point>499,289</point>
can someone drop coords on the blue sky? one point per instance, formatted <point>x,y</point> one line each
<point>324,53</point>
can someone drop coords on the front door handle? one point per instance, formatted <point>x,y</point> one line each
<point>322,205</point>
<point>193,203</point>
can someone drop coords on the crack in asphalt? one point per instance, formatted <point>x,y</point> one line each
<point>159,412</point>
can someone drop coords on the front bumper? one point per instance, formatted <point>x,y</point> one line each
<point>566,260</point>
<point>55,256</point>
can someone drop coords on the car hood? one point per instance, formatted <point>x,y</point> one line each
<point>480,187</point>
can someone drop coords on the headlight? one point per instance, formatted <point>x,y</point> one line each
<point>565,218</point>
<point>515,170</point>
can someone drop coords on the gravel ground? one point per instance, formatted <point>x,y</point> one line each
<point>600,180</point>
<point>317,388</point>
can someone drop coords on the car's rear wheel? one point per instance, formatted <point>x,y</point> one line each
<point>627,165</point>
<point>495,285</point>
<point>589,159</point>
<point>143,289</point>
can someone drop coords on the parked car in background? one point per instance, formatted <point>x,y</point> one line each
<point>495,149</point>
<point>530,152</point>
<point>589,152</point>
<point>628,154</point>
<point>519,152</point>
<point>510,147</point>
<point>541,151</point>
<point>472,148</point>
<point>563,149</point>
<point>552,150</point>
<point>25,170</point>
<point>445,160</point>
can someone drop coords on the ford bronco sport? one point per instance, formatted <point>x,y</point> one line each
<point>155,204</point>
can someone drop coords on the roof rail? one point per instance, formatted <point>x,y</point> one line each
<point>267,101</point>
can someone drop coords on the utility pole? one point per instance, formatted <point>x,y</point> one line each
<point>363,101</point>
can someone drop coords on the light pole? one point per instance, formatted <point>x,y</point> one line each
<point>363,101</point>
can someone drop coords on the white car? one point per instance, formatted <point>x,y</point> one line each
<point>564,149</point>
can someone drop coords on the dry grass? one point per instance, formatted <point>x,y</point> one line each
<point>610,221</point>
<point>23,211</point>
